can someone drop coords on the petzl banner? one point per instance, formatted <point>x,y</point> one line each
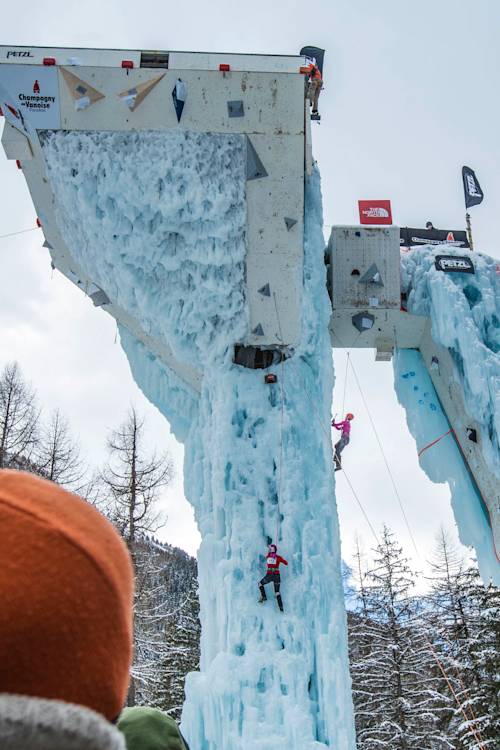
<point>410,237</point>
<point>454,264</point>
<point>472,188</point>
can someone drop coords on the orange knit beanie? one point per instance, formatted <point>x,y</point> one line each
<point>66,586</point>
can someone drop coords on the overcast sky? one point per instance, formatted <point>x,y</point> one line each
<point>411,94</point>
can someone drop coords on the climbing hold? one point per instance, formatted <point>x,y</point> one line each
<point>363,321</point>
<point>265,290</point>
<point>258,330</point>
<point>255,168</point>
<point>100,298</point>
<point>372,276</point>
<point>472,434</point>
<point>290,222</point>
<point>179,95</point>
<point>83,93</point>
<point>136,95</point>
<point>236,109</point>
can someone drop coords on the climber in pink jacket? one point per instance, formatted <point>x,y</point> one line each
<point>345,437</point>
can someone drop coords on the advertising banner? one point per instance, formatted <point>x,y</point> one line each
<point>29,96</point>
<point>454,264</point>
<point>375,212</point>
<point>409,237</point>
<point>472,189</point>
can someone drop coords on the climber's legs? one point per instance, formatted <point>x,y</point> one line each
<point>275,579</point>
<point>339,447</point>
<point>278,595</point>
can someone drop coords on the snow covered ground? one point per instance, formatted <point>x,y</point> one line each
<point>158,223</point>
<point>465,315</point>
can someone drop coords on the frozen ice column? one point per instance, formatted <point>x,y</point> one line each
<point>270,680</point>
<point>266,679</point>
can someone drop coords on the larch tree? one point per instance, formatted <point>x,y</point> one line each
<point>132,480</point>
<point>57,456</point>
<point>19,419</point>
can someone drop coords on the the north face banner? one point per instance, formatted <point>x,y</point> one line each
<point>410,237</point>
<point>375,212</point>
<point>472,188</point>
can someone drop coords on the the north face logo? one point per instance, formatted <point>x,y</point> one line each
<point>375,212</point>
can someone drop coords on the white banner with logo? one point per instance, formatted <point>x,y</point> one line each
<point>29,96</point>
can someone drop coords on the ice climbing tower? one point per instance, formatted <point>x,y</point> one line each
<point>177,191</point>
<point>255,101</point>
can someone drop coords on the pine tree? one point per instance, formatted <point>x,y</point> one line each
<point>484,647</point>
<point>181,653</point>
<point>460,618</point>
<point>394,681</point>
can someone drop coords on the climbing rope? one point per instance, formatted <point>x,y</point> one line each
<point>21,231</point>
<point>396,492</point>
<point>429,445</point>
<point>328,438</point>
<point>345,381</point>
<point>472,722</point>
<point>282,421</point>
<point>361,507</point>
<point>440,665</point>
<point>442,669</point>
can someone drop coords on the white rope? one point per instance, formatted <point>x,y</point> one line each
<point>21,231</point>
<point>282,420</point>
<point>398,497</point>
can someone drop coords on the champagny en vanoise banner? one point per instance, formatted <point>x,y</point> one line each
<point>29,97</point>
<point>410,237</point>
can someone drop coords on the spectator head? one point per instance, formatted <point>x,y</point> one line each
<point>66,586</point>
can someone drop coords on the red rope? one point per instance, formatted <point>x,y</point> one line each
<point>434,442</point>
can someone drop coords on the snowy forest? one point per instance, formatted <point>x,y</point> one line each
<point>425,667</point>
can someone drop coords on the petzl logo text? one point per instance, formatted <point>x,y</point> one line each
<point>18,53</point>
<point>454,263</point>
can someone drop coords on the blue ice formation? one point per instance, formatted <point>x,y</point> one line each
<point>465,317</point>
<point>157,220</point>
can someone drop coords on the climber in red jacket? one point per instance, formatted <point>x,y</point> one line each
<point>273,562</point>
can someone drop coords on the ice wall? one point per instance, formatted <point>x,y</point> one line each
<point>257,463</point>
<point>465,316</point>
<point>443,462</point>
